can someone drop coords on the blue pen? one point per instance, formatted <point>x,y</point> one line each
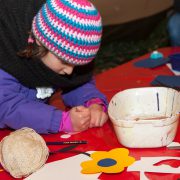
<point>66,142</point>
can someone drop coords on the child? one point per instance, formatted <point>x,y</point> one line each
<point>64,37</point>
<point>173,25</point>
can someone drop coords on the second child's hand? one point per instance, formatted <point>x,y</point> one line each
<point>98,116</point>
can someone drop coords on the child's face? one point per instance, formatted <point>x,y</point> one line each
<point>56,64</point>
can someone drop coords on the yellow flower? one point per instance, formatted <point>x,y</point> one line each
<point>113,161</point>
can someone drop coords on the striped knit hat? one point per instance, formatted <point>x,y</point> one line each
<point>70,29</point>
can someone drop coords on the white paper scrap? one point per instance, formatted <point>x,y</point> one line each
<point>177,73</point>
<point>65,169</point>
<point>173,144</point>
<point>146,164</point>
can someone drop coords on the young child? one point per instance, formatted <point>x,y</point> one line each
<point>46,46</point>
<point>173,25</point>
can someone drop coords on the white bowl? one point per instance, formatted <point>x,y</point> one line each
<point>145,117</point>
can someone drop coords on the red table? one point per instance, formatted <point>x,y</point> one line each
<point>110,82</point>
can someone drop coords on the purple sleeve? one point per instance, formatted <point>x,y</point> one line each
<point>17,112</point>
<point>82,94</point>
<point>20,108</point>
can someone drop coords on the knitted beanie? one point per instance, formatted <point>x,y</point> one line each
<point>70,29</point>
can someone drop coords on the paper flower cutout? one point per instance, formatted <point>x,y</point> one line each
<point>113,161</point>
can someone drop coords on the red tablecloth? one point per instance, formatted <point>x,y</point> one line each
<point>110,82</point>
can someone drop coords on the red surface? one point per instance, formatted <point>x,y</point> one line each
<point>110,82</point>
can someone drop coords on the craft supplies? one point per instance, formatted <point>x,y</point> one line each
<point>65,136</point>
<point>154,60</point>
<point>151,63</point>
<point>174,145</point>
<point>23,152</point>
<point>147,164</point>
<point>175,61</point>
<point>113,161</point>
<point>145,117</point>
<point>64,169</point>
<point>66,142</point>
<point>65,149</point>
<point>167,81</point>
<point>156,55</point>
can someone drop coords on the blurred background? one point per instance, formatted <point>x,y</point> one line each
<point>131,28</point>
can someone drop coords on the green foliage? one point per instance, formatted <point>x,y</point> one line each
<point>116,53</point>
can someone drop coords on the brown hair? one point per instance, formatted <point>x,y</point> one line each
<point>33,50</point>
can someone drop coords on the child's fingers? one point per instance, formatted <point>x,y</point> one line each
<point>104,118</point>
<point>81,124</point>
<point>80,108</point>
<point>102,121</point>
<point>98,119</point>
<point>82,111</point>
<point>95,122</point>
<point>85,113</point>
<point>85,125</point>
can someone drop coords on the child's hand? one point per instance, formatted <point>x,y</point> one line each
<point>80,118</point>
<point>98,116</point>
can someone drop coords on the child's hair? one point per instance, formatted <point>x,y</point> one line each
<point>33,50</point>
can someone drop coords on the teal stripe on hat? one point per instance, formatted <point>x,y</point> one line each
<point>93,12</point>
<point>76,24</point>
<point>79,41</point>
<point>62,49</point>
<point>72,33</point>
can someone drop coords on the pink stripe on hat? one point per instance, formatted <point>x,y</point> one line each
<point>70,29</point>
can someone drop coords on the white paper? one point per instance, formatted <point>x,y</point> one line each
<point>65,169</point>
<point>174,144</point>
<point>146,164</point>
<point>175,72</point>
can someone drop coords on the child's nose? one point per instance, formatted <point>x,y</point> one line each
<point>69,70</point>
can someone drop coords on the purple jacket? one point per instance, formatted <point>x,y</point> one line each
<point>19,106</point>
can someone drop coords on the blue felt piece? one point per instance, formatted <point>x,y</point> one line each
<point>168,81</point>
<point>151,63</point>
<point>107,162</point>
<point>175,61</point>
